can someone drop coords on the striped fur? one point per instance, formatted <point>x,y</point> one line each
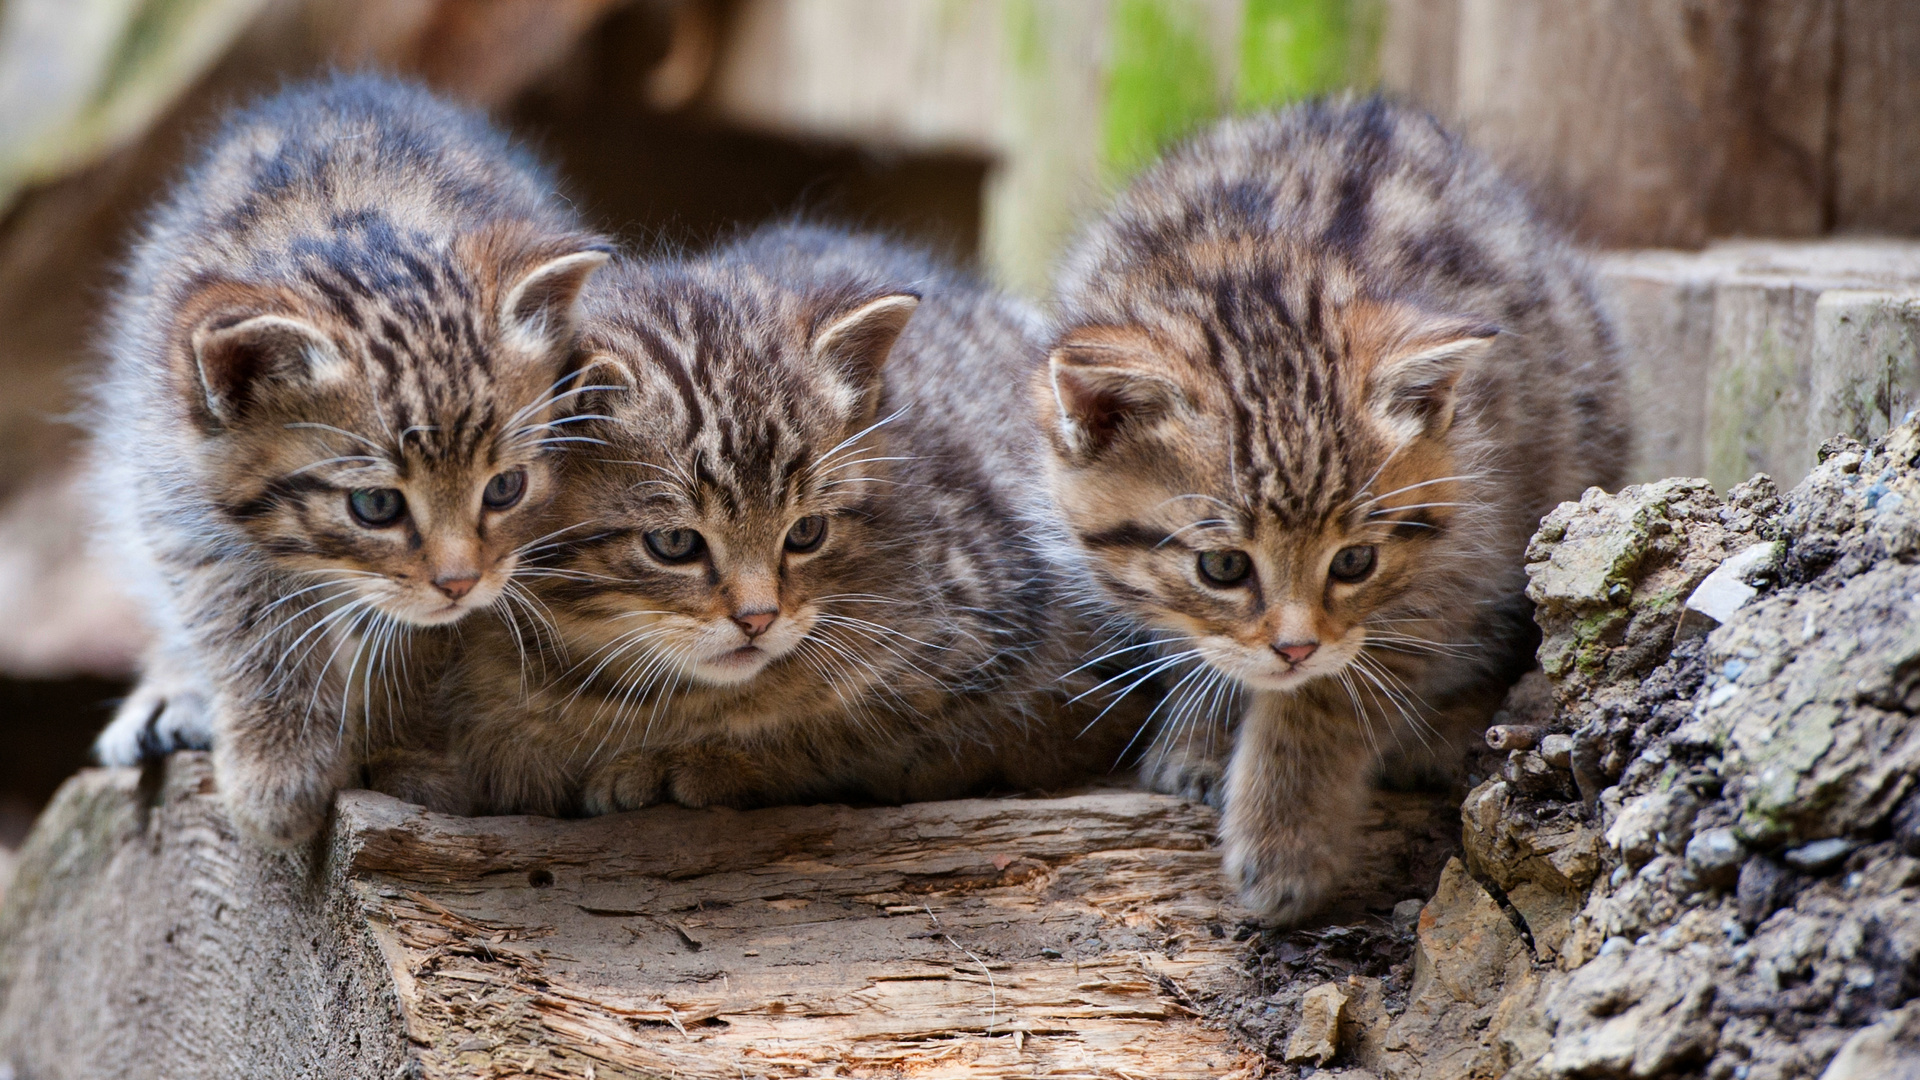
<point>1331,329</point>
<point>357,288</point>
<point>917,652</point>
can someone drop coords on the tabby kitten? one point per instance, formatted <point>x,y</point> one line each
<point>804,573</point>
<point>328,422</point>
<point>1319,375</point>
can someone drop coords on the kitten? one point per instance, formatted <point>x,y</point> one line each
<point>328,425</point>
<point>808,575</point>
<point>1319,375</point>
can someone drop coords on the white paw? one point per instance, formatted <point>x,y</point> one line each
<point>155,720</point>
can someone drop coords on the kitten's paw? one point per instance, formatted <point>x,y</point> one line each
<point>716,776</point>
<point>1190,776</point>
<point>1281,884</point>
<point>628,782</point>
<point>157,718</point>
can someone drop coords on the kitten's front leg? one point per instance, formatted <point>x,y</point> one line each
<point>1297,788</point>
<point>171,708</point>
<point>629,781</point>
<point>699,774</point>
<point>278,761</point>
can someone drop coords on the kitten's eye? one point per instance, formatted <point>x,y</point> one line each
<point>505,489</point>
<point>807,534</point>
<point>675,545</point>
<point>1225,567</point>
<point>1352,564</point>
<point>376,507</point>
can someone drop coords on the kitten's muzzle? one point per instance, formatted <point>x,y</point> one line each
<point>1296,652</point>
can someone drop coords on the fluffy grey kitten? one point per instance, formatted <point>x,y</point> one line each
<point>1319,375</point>
<point>327,427</point>
<point>804,570</point>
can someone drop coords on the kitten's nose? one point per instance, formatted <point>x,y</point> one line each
<point>1296,653</point>
<point>755,623</point>
<point>455,587</point>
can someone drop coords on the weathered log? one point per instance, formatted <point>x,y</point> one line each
<point>980,937</point>
<point>1088,935</point>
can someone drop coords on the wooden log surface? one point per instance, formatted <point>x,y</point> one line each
<point>1087,935</point>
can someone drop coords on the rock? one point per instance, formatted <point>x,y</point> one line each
<point>1726,590</point>
<point>1406,915</point>
<point>1764,888</point>
<point>1637,1011</point>
<point>1887,1050</point>
<point>1714,857</point>
<point>1739,919</point>
<point>1609,577</point>
<point>1467,959</point>
<point>1819,857</point>
<point>1652,823</point>
<point>1364,1029</point>
<point>1906,825</point>
<point>1558,750</point>
<point>1534,775</point>
<point>1316,1038</point>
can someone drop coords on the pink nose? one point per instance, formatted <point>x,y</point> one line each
<point>455,587</point>
<point>755,623</point>
<point>1297,653</point>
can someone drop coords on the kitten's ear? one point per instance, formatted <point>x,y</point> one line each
<point>599,377</point>
<point>1410,386</point>
<point>542,307</point>
<point>1106,380</point>
<point>235,356</point>
<point>858,342</point>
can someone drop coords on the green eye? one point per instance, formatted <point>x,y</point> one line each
<point>1225,567</point>
<point>675,545</point>
<point>376,507</point>
<point>807,534</point>
<point>1352,564</point>
<point>505,489</point>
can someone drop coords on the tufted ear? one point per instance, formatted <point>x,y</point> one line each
<point>1416,366</point>
<point>237,355</point>
<point>542,307</point>
<point>857,343</point>
<point>1106,381</point>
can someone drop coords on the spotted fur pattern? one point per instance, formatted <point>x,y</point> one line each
<point>1319,375</point>
<point>916,651</point>
<point>358,288</point>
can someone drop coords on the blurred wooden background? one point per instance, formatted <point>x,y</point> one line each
<point>988,128</point>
